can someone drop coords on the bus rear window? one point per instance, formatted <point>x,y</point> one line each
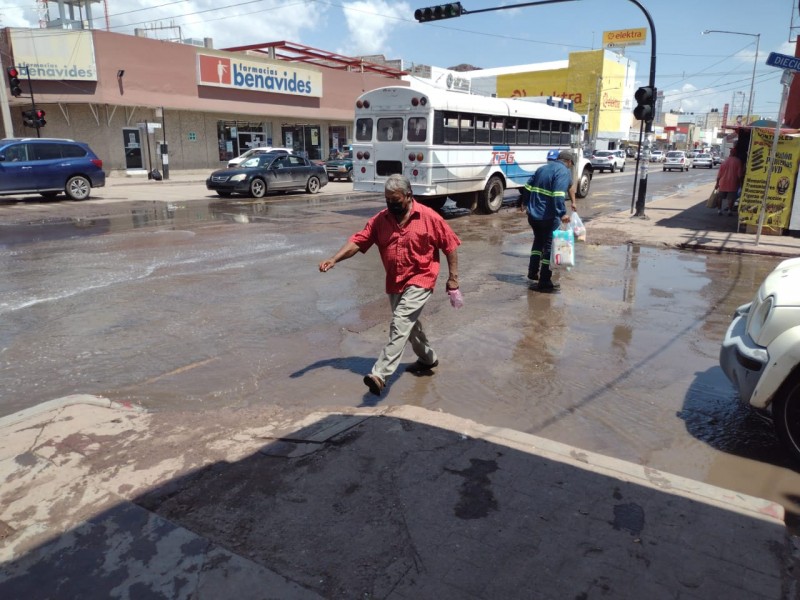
<point>364,130</point>
<point>390,129</point>
<point>417,129</point>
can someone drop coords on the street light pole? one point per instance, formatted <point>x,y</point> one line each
<point>755,62</point>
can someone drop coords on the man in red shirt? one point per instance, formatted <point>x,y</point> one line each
<point>729,180</point>
<point>409,237</point>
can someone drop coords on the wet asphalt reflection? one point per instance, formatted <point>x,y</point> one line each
<point>211,304</point>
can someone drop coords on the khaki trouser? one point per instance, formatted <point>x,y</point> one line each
<point>406,326</point>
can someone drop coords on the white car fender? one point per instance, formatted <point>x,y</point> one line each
<point>784,353</point>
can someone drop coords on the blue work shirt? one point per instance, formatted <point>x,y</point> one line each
<point>546,191</point>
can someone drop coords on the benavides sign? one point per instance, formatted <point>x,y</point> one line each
<point>275,77</point>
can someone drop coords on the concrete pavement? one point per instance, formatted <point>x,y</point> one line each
<point>101,500</point>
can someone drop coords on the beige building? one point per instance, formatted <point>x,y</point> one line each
<point>127,95</point>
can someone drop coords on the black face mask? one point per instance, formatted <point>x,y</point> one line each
<point>396,208</point>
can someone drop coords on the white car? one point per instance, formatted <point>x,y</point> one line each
<point>657,156</point>
<point>235,162</point>
<point>703,160</point>
<point>607,160</point>
<point>761,352</point>
<point>677,159</point>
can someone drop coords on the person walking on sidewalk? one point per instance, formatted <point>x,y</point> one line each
<point>409,237</point>
<point>543,200</point>
<point>729,180</point>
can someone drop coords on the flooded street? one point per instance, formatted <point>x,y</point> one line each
<point>220,304</point>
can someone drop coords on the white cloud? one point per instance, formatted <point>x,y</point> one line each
<point>370,24</point>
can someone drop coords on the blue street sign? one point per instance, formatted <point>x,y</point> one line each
<point>783,61</point>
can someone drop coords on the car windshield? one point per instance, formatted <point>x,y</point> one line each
<point>674,154</point>
<point>603,153</point>
<point>703,156</point>
<point>251,162</point>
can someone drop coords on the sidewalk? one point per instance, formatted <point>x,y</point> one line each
<point>102,501</point>
<point>683,221</point>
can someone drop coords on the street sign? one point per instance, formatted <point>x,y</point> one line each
<point>783,61</point>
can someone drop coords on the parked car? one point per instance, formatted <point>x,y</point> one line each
<point>656,156</point>
<point>49,166</point>
<point>235,162</point>
<point>607,160</point>
<point>263,173</point>
<point>717,159</point>
<point>761,352</point>
<point>340,167</point>
<point>677,159</point>
<point>703,160</point>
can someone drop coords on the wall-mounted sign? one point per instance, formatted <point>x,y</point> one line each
<point>276,77</point>
<point>54,55</point>
<point>624,37</point>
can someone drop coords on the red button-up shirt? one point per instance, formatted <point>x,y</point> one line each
<point>410,253</point>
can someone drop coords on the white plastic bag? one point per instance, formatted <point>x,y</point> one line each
<point>578,228</point>
<point>562,252</point>
<point>456,298</point>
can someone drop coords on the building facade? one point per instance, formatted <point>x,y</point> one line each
<point>130,98</point>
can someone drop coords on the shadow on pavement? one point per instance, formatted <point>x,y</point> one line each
<point>360,506</point>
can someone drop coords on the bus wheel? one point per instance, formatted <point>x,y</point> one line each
<point>491,199</point>
<point>583,184</point>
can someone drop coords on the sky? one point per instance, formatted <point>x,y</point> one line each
<point>696,72</point>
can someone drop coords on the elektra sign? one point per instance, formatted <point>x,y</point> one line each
<point>276,77</point>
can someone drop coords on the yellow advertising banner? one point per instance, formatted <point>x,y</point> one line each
<point>781,183</point>
<point>624,37</point>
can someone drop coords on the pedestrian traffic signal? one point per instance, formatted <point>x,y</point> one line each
<point>13,81</point>
<point>39,118</point>
<point>28,118</point>
<point>645,103</point>
<point>442,11</point>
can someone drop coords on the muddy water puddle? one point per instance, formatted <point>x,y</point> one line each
<point>624,361</point>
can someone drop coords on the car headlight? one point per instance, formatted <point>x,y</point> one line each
<point>759,317</point>
<point>239,177</point>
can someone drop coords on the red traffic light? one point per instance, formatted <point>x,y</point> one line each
<point>13,81</point>
<point>40,114</point>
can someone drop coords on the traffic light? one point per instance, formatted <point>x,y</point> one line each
<point>645,103</point>
<point>39,118</point>
<point>13,81</point>
<point>441,11</point>
<point>28,118</point>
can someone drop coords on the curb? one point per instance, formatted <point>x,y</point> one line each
<point>58,403</point>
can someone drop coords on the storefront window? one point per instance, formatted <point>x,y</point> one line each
<point>237,137</point>
<point>304,140</point>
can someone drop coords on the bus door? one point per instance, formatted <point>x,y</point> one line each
<point>389,149</point>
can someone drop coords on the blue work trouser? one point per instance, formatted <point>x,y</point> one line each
<point>540,250</point>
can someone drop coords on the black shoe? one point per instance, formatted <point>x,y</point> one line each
<point>548,287</point>
<point>375,384</point>
<point>533,276</point>
<point>421,367</point>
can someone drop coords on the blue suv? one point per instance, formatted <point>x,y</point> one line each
<point>49,166</point>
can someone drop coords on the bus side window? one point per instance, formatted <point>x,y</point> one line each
<point>450,128</point>
<point>466,127</point>
<point>482,129</point>
<point>364,130</point>
<point>536,134</point>
<point>417,129</point>
<point>545,140</point>
<point>511,131</point>
<point>564,134</point>
<point>522,131</point>
<point>390,129</point>
<point>498,130</point>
